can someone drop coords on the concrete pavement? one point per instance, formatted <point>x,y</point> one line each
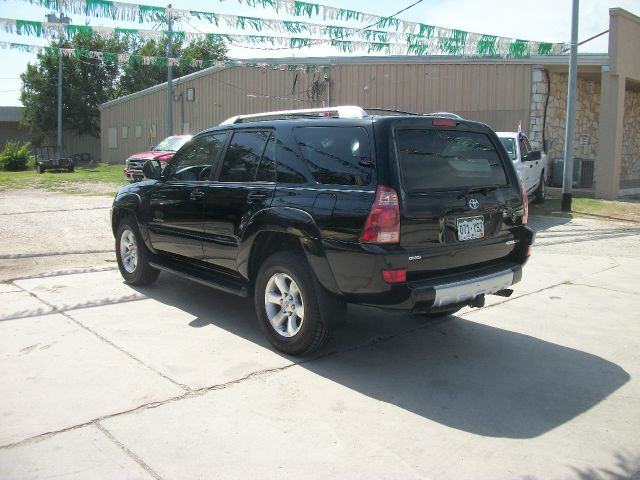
<point>175,381</point>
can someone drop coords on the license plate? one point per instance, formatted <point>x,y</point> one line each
<point>470,228</point>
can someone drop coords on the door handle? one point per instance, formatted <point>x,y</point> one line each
<point>196,195</point>
<point>258,196</point>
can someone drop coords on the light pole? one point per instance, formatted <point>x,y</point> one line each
<point>63,19</point>
<point>169,74</point>
<point>567,181</point>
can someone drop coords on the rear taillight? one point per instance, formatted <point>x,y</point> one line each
<point>383,222</point>
<point>525,204</point>
<point>398,275</point>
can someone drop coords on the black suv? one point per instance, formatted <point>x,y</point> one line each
<point>308,210</point>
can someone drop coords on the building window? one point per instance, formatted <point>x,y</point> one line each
<point>138,131</point>
<point>191,94</point>
<point>112,138</point>
<point>125,132</point>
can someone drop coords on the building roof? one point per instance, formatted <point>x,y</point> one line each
<point>10,114</point>
<point>584,59</point>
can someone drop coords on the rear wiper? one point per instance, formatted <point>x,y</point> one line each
<point>483,190</point>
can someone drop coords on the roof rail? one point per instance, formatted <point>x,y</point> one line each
<point>343,111</point>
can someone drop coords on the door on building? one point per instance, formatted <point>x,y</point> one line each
<point>245,185</point>
<point>176,203</point>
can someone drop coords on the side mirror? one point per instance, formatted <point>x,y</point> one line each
<point>152,169</point>
<point>531,156</point>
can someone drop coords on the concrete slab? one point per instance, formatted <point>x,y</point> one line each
<point>19,304</point>
<point>54,375</point>
<point>624,278</point>
<point>458,399</point>
<point>81,453</point>
<point>81,290</point>
<point>8,288</point>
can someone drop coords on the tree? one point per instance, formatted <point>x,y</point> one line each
<point>136,77</point>
<point>88,82</point>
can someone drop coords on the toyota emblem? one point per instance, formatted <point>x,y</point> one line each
<point>473,203</point>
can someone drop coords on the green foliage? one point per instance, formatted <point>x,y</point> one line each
<point>15,157</point>
<point>88,82</point>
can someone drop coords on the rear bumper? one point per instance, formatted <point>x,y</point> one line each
<point>357,270</point>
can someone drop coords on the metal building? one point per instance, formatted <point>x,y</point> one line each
<point>501,92</point>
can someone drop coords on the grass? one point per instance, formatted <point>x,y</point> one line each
<point>99,179</point>
<point>620,210</point>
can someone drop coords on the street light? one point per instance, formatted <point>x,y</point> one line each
<point>63,19</point>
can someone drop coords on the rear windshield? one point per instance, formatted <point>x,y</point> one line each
<point>447,159</point>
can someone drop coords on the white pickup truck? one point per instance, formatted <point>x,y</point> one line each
<point>530,164</point>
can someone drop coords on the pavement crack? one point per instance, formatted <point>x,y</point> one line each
<point>128,452</point>
<point>577,284</point>
<point>62,312</point>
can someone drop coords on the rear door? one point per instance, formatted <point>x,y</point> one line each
<point>244,186</point>
<point>531,172</point>
<point>457,193</point>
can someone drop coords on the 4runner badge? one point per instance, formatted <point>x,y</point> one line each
<point>473,203</point>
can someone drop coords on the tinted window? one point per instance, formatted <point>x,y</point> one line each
<point>267,169</point>
<point>288,164</point>
<point>443,160</point>
<point>336,155</point>
<point>243,156</point>
<point>196,159</point>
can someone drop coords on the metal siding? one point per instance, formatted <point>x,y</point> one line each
<point>494,93</point>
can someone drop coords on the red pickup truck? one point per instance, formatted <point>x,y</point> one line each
<point>163,152</point>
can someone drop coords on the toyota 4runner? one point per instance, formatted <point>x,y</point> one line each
<point>308,210</point>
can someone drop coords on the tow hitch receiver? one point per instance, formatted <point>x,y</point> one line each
<point>477,302</point>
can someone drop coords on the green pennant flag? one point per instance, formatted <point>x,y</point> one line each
<point>426,30</point>
<point>51,51</point>
<point>334,31</point>
<point>82,53</point>
<point>388,22</point>
<point>255,23</point>
<point>161,61</point>
<point>344,14</point>
<point>148,13</point>
<point>102,8</point>
<point>308,9</point>
<point>210,17</point>
<point>109,57</point>
<point>295,27</point>
<point>126,31</point>
<point>375,36</point>
<point>518,48</point>
<point>487,45</point>
<point>342,45</point>
<point>27,27</point>
<point>544,48</point>
<point>299,42</point>
<point>82,30</point>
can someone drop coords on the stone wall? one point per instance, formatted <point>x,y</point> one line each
<point>630,169</point>
<point>585,140</point>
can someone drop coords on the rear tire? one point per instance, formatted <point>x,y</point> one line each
<point>133,255</point>
<point>287,306</point>
<point>540,191</point>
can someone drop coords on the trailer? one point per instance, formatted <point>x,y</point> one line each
<point>48,157</point>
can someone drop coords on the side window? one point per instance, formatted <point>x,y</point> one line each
<point>243,156</point>
<point>523,145</point>
<point>196,159</point>
<point>336,155</point>
<point>267,168</point>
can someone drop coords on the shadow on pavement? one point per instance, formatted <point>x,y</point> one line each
<point>459,373</point>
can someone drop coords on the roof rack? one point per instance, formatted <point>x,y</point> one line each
<point>391,110</point>
<point>343,111</point>
<point>455,116</point>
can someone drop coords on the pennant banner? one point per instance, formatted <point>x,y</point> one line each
<point>133,59</point>
<point>418,36</point>
<point>432,42</point>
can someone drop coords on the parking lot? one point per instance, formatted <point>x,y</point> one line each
<point>175,380</point>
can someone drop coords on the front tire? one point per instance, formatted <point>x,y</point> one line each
<point>133,255</point>
<point>287,305</point>
<point>540,191</point>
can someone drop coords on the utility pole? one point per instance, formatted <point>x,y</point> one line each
<point>169,73</point>
<point>567,181</point>
<point>52,18</point>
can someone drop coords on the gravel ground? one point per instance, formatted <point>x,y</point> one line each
<point>45,231</point>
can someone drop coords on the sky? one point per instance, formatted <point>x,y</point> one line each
<point>542,20</point>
